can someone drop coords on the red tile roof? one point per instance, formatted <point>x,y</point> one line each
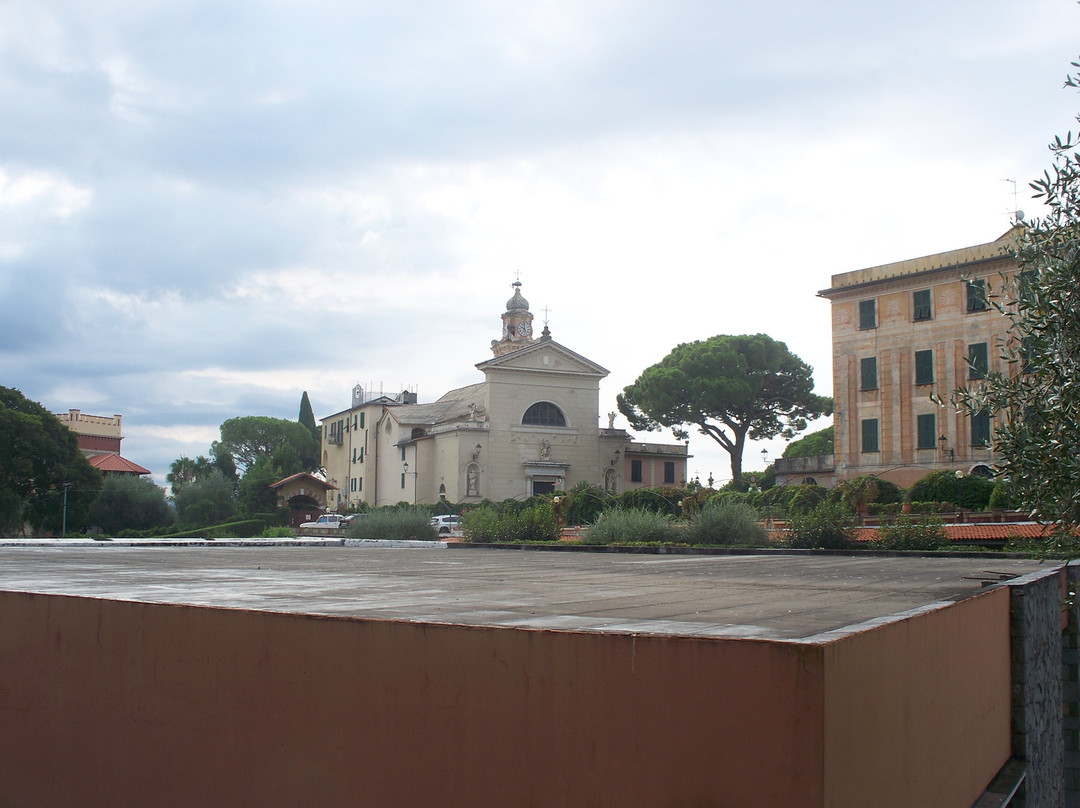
<point>985,531</point>
<point>115,464</point>
<point>301,475</point>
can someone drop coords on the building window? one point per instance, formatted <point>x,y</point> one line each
<point>403,453</point>
<point>920,305</point>
<point>635,471</point>
<point>402,479</point>
<point>978,362</point>
<point>927,431</point>
<point>361,420</point>
<point>980,429</point>
<point>359,483</point>
<point>976,296</point>
<point>924,367</point>
<point>353,481</point>
<point>354,421</point>
<point>669,471</point>
<point>867,315</point>
<point>868,373</point>
<point>869,435</point>
<point>543,413</point>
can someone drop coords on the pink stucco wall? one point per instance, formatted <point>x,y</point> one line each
<point>106,703</point>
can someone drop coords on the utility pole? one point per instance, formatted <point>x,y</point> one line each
<point>63,520</point>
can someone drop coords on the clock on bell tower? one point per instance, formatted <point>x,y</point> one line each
<point>516,324</point>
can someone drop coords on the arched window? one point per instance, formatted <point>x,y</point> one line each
<point>544,413</point>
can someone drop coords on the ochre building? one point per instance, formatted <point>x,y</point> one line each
<point>902,332</point>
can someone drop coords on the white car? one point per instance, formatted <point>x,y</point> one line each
<point>327,520</point>
<point>447,523</point>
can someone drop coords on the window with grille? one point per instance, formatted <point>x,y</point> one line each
<point>669,471</point>
<point>635,471</point>
<point>544,413</point>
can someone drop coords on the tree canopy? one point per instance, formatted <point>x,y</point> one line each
<point>130,502</point>
<point>812,445</point>
<point>289,444</point>
<point>39,456</point>
<point>307,417</point>
<point>731,388</point>
<point>1037,440</point>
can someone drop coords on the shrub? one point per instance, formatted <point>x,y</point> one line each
<point>827,527</point>
<point>911,533</point>
<point>629,525</point>
<point>943,486</point>
<point>277,533</point>
<point>657,500</point>
<point>999,496</point>
<point>534,523</point>
<point>394,523</point>
<point>727,523</point>
<point>582,504</point>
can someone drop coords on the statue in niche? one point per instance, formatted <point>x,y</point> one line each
<point>545,449</point>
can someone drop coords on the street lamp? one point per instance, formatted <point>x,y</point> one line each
<point>959,490</point>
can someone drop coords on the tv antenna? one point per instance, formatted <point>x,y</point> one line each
<point>1017,214</point>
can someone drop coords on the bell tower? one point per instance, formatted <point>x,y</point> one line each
<point>517,320</point>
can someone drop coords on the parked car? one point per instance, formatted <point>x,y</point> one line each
<point>447,523</point>
<point>327,520</point>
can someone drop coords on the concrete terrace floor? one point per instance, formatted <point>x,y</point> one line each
<point>776,596</point>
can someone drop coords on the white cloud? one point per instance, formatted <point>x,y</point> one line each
<point>225,206</point>
<point>50,193</point>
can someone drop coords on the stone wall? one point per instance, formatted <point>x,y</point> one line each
<point>1035,627</point>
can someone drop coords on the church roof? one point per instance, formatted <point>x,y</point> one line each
<point>115,464</point>
<point>453,406</point>
<point>531,357</point>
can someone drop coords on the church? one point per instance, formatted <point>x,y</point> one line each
<point>532,426</point>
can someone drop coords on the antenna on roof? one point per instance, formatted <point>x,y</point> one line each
<point>1017,215</point>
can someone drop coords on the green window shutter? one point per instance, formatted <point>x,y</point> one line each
<point>980,429</point>
<point>869,435</point>
<point>978,360</point>
<point>927,429</point>
<point>924,367</point>
<point>920,305</point>
<point>868,373</point>
<point>867,315</point>
<point>976,296</point>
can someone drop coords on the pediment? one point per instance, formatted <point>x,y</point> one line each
<point>545,356</point>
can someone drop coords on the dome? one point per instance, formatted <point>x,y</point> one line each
<point>517,302</point>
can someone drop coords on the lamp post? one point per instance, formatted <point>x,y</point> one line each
<point>405,472</point>
<point>960,493</point>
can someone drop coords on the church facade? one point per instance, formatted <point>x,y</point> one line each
<point>532,426</point>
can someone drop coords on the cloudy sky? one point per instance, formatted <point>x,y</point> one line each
<point>207,208</point>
